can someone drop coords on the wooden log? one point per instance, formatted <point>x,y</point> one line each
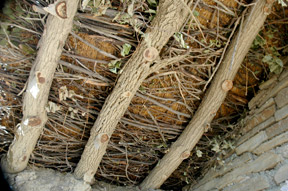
<point>39,83</point>
<point>214,97</point>
<point>170,17</point>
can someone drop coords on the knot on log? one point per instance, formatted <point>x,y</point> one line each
<point>58,9</point>
<point>207,127</point>
<point>24,158</point>
<point>127,94</point>
<point>150,54</point>
<point>100,139</point>
<point>227,85</point>
<point>185,154</point>
<point>61,9</point>
<point>34,121</point>
<point>40,80</point>
<point>104,138</point>
<point>268,7</point>
<point>267,10</point>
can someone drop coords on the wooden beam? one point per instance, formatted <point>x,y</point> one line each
<point>40,79</point>
<point>170,17</point>
<point>213,99</point>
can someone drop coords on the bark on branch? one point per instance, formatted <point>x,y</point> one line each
<point>215,96</point>
<point>170,17</point>
<point>39,83</point>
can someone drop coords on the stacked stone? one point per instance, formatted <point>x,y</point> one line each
<point>260,159</point>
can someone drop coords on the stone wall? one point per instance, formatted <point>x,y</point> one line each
<point>260,159</point>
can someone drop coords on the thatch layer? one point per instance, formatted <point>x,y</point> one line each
<point>164,104</point>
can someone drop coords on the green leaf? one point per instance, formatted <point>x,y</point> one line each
<point>270,36</point>
<point>3,42</point>
<point>267,58</point>
<point>152,3</point>
<point>275,63</point>
<point>125,49</point>
<point>179,38</point>
<point>114,66</point>
<point>122,18</point>
<point>113,70</point>
<point>150,11</point>
<point>279,62</point>
<point>199,153</point>
<point>258,41</point>
<point>26,49</point>
<point>196,13</point>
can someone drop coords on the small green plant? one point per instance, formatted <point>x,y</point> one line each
<point>125,49</point>
<point>199,153</point>
<point>179,38</point>
<point>258,42</point>
<point>114,66</point>
<point>275,63</point>
<point>196,13</point>
<point>213,43</point>
<point>152,3</point>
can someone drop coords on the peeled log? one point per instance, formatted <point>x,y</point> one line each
<point>170,17</point>
<point>38,87</point>
<point>213,98</point>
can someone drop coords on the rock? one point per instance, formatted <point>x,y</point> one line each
<point>281,174</point>
<point>252,143</point>
<point>256,183</point>
<point>259,118</point>
<point>276,141</point>
<point>281,113</point>
<point>282,98</point>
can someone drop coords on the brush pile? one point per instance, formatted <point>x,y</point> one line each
<point>104,36</point>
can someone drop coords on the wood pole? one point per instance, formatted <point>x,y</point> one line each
<point>170,17</point>
<point>214,97</point>
<point>40,79</point>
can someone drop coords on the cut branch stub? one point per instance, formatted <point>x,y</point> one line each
<point>150,54</point>
<point>58,9</point>
<point>185,154</point>
<point>40,79</point>
<point>34,121</point>
<point>100,139</point>
<point>127,94</point>
<point>267,10</point>
<point>38,9</point>
<point>104,138</point>
<point>61,9</point>
<point>227,85</point>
